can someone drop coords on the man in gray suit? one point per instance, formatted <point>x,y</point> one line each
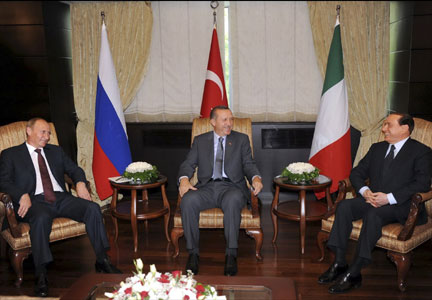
<point>223,158</point>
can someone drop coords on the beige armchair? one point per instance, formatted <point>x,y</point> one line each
<point>399,240</point>
<point>17,235</point>
<point>213,218</point>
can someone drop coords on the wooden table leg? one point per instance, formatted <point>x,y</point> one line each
<point>302,199</point>
<point>273,215</point>
<point>134,219</point>
<point>167,215</point>
<point>113,208</point>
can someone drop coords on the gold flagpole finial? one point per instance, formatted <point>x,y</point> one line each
<point>214,5</point>
<point>338,7</point>
<point>103,16</point>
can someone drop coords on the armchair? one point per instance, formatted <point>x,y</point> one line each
<point>399,240</point>
<point>17,235</point>
<point>213,218</point>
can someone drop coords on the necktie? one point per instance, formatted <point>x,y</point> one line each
<point>46,180</point>
<point>387,160</point>
<point>219,160</point>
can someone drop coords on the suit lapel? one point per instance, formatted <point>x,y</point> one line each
<point>27,163</point>
<point>229,144</point>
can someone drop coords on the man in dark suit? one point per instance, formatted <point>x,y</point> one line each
<point>223,158</point>
<point>33,175</point>
<point>397,168</point>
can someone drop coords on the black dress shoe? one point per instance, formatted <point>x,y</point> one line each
<point>230,265</point>
<point>332,273</point>
<point>346,283</point>
<point>193,263</point>
<point>41,286</point>
<point>106,267</point>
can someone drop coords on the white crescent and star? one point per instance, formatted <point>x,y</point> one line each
<point>215,78</point>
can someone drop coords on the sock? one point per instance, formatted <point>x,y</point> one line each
<point>40,269</point>
<point>101,257</point>
<point>357,265</point>
<point>231,251</point>
<point>194,251</point>
<point>340,257</point>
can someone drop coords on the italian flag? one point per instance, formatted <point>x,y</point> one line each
<point>331,144</point>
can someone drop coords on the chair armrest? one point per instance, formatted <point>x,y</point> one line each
<point>254,205</point>
<point>10,214</point>
<point>411,221</point>
<point>71,186</point>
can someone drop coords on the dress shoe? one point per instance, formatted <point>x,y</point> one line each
<point>332,273</point>
<point>41,286</point>
<point>193,263</point>
<point>346,283</point>
<point>230,265</point>
<point>106,267</point>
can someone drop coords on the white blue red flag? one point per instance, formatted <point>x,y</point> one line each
<point>111,153</point>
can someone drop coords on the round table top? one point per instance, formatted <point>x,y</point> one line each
<point>136,186</point>
<point>320,182</point>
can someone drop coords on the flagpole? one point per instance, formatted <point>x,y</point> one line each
<point>214,5</point>
<point>103,16</point>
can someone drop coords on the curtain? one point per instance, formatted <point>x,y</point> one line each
<point>275,76</point>
<point>365,42</point>
<point>173,87</point>
<point>129,26</point>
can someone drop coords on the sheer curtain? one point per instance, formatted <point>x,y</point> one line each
<point>173,86</point>
<point>275,71</point>
<point>275,75</point>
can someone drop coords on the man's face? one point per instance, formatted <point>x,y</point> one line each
<point>223,122</point>
<point>393,132</point>
<point>39,134</point>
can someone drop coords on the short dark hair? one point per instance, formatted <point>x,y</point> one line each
<point>32,121</point>
<point>406,119</point>
<point>214,109</point>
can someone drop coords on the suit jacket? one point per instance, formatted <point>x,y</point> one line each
<point>18,175</point>
<point>238,161</point>
<point>410,173</point>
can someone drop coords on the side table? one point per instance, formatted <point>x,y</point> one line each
<point>300,210</point>
<point>147,209</point>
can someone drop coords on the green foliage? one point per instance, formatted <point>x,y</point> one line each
<point>304,177</point>
<point>145,177</point>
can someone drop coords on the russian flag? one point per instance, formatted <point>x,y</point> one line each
<point>111,153</point>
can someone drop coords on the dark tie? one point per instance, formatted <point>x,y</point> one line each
<point>388,160</point>
<point>46,180</point>
<point>219,160</point>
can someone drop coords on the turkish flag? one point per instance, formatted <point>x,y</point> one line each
<point>214,88</point>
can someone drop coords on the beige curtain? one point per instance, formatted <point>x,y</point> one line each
<point>129,26</point>
<point>365,42</point>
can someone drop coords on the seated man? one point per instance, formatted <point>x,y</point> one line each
<point>223,158</point>
<point>33,175</point>
<point>397,168</point>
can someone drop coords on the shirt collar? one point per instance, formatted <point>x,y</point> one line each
<point>32,149</point>
<point>398,145</point>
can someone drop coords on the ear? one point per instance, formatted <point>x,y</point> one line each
<point>213,122</point>
<point>28,130</point>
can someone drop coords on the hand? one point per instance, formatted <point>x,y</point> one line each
<point>368,195</point>
<point>82,191</point>
<point>185,186</point>
<point>257,185</point>
<point>24,205</point>
<point>378,199</point>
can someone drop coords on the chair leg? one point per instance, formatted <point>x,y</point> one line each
<point>403,263</point>
<point>17,257</point>
<point>257,235</point>
<point>176,233</point>
<point>3,246</point>
<point>322,238</point>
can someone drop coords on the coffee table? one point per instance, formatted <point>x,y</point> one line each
<point>93,285</point>
<point>139,209</point>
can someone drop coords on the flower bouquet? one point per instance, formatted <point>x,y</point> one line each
<point>141,172</point>
<point>300,172</point>
<point>157,286</point>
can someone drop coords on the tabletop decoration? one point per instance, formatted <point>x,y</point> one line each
<point>141,172</point>
<point>158,286</point>
<point>300,172</point>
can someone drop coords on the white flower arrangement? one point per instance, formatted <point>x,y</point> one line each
<point>300,172</point>
<point>141,171</point>
<point>158,286</point>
